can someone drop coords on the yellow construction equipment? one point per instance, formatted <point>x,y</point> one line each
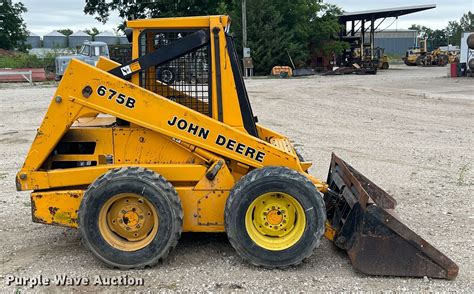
<point>133,159</point>
<point>420,56</point>
<point>372,59</point>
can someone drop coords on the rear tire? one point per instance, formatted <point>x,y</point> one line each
<point>443,59</point>
<point>130,218</point>
<point>420,61</point>
<point>166,75</point>
<point>274,217</point>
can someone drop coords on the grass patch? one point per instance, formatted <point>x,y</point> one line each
<point>23,60</point>
<point>395,59</point>
<point>462,174</point>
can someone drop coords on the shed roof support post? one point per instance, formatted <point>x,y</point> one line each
<point>372,38</point>
<point>362,36</point>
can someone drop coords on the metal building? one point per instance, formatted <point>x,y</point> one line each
<point>78,38</point>
<point>107,37</point>
<point>123,40</point>
<point>395,42</point>
<point>54,40</point>
<point>368,22</point>
<point>33,40</point>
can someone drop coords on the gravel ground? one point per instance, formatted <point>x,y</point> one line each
<point>410,130</point>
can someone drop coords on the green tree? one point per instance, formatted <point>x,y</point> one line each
<point>275,27</point>
<point>92,31</point>
<point>465,24</point>
<point>266,34</point>
<point>467,21</point>
<point>278,27</point>
<point>451,34</point>
<point>66,32</point>
<point>152,9</point>
<point>13,31</point>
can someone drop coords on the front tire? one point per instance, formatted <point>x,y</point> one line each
<point>130,218</point>
<point>274,217</point>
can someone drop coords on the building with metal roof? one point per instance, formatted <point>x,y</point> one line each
<point>361,28</point>
<point>78,38</point>
<point>395,42</point>
<point>54,40</point>
<point>33,40</point>
<point>107,37</point>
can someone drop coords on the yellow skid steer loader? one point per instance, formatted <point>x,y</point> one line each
<point>132,157</point>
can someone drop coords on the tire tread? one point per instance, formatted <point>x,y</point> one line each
<point>152,178</point>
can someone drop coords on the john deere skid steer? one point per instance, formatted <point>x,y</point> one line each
<point>133,159</point>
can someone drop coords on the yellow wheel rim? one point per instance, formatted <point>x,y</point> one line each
<point>128,222</point>
<point>275,221</point>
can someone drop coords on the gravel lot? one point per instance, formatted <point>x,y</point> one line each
<point>410,130</point>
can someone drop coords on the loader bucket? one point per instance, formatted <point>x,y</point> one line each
<point>362,221</point>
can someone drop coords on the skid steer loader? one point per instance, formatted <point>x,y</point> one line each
<point>132,162</point>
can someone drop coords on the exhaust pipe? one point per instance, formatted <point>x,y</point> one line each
<point>362,221</point>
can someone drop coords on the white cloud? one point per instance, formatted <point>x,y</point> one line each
<point>44,16</point>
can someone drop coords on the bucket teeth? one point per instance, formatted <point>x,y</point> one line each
<point>367,227</point>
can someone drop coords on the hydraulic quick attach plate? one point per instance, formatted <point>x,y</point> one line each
<point>367,227</point>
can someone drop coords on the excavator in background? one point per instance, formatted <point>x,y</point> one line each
<point>420,56</point>
<point>133,161</point>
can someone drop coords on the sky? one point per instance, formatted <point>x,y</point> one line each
<point>44,16</point>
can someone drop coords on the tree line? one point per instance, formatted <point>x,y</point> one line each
<point>450,35</point>
<point>276,29</point>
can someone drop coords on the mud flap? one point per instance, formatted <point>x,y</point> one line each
<point>363,222</point>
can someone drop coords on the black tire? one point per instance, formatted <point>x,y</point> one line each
<point>154,189</point>
<point>166,75</point>
<point>274,179</point>
<point>385,65</point>
<point>420,60</point>
<point>443,59</point>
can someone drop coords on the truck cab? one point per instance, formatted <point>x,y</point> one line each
<point>88,53</point>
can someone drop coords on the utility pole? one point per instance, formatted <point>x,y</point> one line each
<point>244,26</point>
<point>246,58</point>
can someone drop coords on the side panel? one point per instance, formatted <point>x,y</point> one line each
<point>83,176</point>
<point>203,210</point>
<point>139,145</point>
<point>56,208</point>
